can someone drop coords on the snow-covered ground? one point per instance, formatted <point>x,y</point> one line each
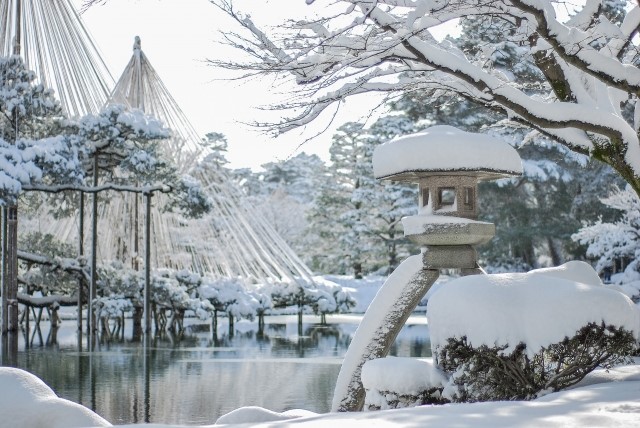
<point>602,400</point>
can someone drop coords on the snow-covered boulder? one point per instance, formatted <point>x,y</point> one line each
<point>393,383</point>
<point>27,402</point>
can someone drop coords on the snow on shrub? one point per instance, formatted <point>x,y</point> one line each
<point>393,383</point>
<point>319,295</point>
<point>517,336</point>
<point>112,307</point>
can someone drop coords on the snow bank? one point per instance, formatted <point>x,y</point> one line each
<point>27,402</point>
<point>537,308</point>
<point>445,148</point>
<point>601,406</point>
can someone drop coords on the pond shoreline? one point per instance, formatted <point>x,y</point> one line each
<point>193,377</point>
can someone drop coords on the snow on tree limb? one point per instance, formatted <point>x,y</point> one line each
<point>587,65</point>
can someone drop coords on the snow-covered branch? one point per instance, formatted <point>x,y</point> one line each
<point>582,69</point>
<point>70,265</point>
<point>97,189</point>
<point>46,301</point>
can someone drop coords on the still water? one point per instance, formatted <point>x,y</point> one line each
<point>196,377</point>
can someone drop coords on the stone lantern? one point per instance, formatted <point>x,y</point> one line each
<point>447,165</point>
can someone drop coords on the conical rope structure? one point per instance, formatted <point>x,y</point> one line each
<point>232,241</point>
<point>55,44</point>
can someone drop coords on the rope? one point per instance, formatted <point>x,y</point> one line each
<point>233,241</point>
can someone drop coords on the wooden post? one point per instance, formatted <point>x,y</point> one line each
<point>80,254</point>
<point>5,302</point>
<point>147,264</point>
<point>10,232</point>
<point>12,267</point>
<point>91,321</point>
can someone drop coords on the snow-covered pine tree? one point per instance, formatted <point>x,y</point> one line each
<point>356,213</point>
<point>284,192</point>
<point>337,217</point>
<point>387,202</point>
<point>33,150</point>
<point>614,241</point>
<point>535,214</point>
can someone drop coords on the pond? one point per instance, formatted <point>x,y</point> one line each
<point>195,378</point>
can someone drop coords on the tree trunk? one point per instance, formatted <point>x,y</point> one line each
<point>136,320</point>
<point>393,254</point>
<point>5,301</point>
<point>555,251</point>
<point>231,325</point>
<point>80,254</point>
<point>357,270</point>
<point>260,324</point>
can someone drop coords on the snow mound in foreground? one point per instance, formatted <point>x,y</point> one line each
<point>27,402</point>
<point>537,308</point>
<point>255,414</point>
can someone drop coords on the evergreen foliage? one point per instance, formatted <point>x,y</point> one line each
<point>34,146</point>
<point>357,213</point>
<point>47,279</point>
<point>615,240</point>
<point>487,373</point>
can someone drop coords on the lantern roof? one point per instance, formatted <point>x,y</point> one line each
<point>445,150</point>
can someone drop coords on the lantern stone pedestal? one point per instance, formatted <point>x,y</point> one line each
<point>447,164</point>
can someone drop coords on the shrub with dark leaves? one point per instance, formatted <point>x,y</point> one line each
<point>492,373</point>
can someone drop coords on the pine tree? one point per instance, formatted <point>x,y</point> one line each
<point>30,147</point>
<point>388,202</point>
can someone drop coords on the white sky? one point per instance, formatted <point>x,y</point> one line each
<point>177,36</point>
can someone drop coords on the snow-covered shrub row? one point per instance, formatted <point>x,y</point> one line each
<point>206,297</point>
<point>321,296</point>
<point>519,336</point>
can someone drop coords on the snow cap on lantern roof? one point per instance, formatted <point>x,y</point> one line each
<point>445,150</point>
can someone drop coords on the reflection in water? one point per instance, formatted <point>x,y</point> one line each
<point>195,377</point>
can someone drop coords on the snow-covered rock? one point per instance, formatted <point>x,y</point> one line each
<point>394,382</point>
<point>27,402</point>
